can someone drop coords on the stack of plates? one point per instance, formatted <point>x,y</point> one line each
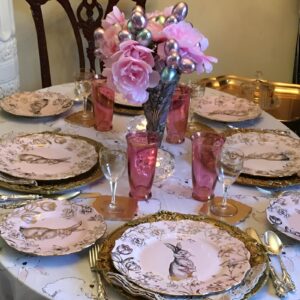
<point>272,158</point>
<point>56,161</point>
<point>122,106</point>
<point>174,255</point>
<point>283,213</point>
<point>51,227</point>
<point>36,104</point>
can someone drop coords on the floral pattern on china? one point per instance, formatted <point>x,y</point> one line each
<point>284,214</point>
<point>267,154</point>
<point>46,156</point>
<point>181,257</point>
<point>36,104</point>
<point>51,227</point>
<point>149,48</point>
<point>226,108</point>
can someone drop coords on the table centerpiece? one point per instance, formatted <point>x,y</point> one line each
<point>145,55</point>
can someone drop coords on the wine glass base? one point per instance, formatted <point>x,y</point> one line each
<point>125,210</point>
<point>165,165</point>
<point>243,211</point>
<point>81,118</point>
<point>220,210</point>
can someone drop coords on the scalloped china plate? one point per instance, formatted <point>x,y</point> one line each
<point>284,214</point>
<point>52,227</point>
<point>226,108</point>
<point>36,104</point>
<point>180,258</point>
<point>267,154</point>
<point>46,156</point>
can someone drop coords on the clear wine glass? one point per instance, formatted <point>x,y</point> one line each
<point>112,162</point>
<point>83,86</point>
<point>229,165</point>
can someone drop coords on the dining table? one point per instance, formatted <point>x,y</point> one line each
<point>26,276</point>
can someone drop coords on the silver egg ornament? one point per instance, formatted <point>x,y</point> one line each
<point>173,59</point>
<point>144,37</point>
<point>187,66</point>
<point>180,11</point>
<point>171,45</point>
<point>124,35</point>
<point>139,21</point>
<point>171,20</point>
<point>131,28</point>
<point>99,33</point>
<point>168,74</point>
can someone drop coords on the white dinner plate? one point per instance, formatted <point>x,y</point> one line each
<point>226,108</point>
<point>46,156</point>
<point>52,227</point>
<point>267,154</point>
<point>36,104</point>
<point>284,214</point>
<point>180,258</point>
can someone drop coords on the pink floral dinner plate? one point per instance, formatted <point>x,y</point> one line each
<point>46,156</point>
<point>36,104</point>
<point>119,99</point>
<point>183,257</point>
<point>284,214</point>
<point>52,227</point>
<point>226,108</point>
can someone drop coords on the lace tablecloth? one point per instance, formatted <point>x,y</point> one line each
<point>69,277</point>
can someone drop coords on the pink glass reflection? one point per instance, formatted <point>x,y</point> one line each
<point>206,147</point>
<point>178,115</point>
<point>141,154</point>
<point>103,104</point>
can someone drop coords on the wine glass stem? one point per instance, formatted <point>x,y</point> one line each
<point>113,188</point>
<point>85,110</point>
<point>225,195</point>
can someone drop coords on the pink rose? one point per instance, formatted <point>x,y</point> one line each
<point>110,42</point>
<point>114,17</point>
<point>131,77</point>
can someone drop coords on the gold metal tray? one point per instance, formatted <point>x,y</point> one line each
<point>257,253</point>
<point>288,94</point>
<point>57,186</point>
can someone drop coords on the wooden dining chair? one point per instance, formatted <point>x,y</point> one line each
<point>84,20</point>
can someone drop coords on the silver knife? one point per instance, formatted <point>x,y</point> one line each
<point>16,198</point>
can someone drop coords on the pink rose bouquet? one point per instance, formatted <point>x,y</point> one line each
<point>149,49</point>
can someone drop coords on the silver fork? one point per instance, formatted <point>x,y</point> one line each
<point>93,257</point>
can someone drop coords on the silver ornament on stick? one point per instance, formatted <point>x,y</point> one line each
<point>187,66</point>
<point>171,20</point>
<point>173,59</point>
<point>124,35</point>
<point>138,20</point>
<point>99,34</point>
<point>144,37</point>
<point>171,45</point>
<point>180,11</point>
<point>168,74</point>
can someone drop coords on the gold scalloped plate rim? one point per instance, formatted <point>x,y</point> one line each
<point>56,186</point>
<point>257,252</point>
<point>269,182</point>
<point>127,110</point>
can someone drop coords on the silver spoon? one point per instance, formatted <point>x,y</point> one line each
<point>278,284</point>
<point>274,246</point>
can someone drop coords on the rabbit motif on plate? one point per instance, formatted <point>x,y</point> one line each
<point>181,267</point>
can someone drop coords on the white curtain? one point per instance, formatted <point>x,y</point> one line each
<point>9,67</point>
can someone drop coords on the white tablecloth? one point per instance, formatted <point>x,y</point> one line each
<point>69,277</point>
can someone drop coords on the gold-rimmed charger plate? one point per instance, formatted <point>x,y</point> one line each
<point>271,182</point>
<point>56,186</point>
<point>128,110</point>
<point>258,256</point>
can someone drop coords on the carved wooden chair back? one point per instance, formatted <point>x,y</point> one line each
<point>84,20</point>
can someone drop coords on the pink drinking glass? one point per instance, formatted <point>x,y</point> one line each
<point>206,147</point>
<point>103,104</point>
<point>178,115</point>
<point>142,149</point>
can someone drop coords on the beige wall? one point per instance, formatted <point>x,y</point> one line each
<point>245,35</point>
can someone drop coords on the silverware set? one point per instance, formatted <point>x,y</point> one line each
<point>273,246</point>
<point>93,258</point>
